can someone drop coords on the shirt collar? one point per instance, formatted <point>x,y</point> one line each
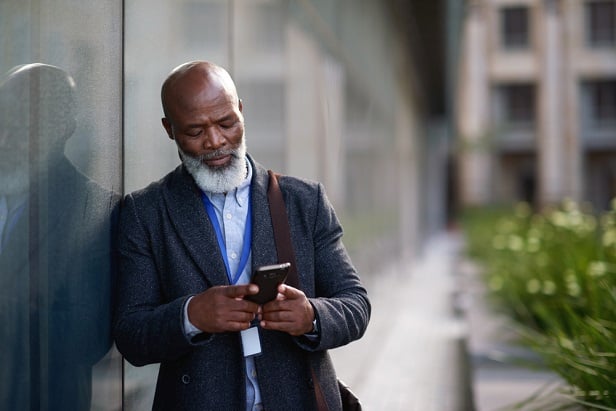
<point>240,193</point>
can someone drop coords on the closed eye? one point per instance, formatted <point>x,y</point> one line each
<point>194,133</point>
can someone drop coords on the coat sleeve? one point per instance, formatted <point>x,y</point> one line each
<point>147,329</point>
<point>340,300</point>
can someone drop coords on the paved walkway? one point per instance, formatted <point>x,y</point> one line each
<point>413,355</point>
<point>432,345</point>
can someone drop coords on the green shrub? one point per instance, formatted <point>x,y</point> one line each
<point>554,274</point>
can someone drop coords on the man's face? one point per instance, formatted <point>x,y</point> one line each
<point>205,120</point>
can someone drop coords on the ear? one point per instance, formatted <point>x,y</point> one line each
<point>168,127</point>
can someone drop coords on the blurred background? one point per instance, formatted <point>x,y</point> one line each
<point>428,121</point>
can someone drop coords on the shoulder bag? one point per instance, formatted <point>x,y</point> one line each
<point>284,248</point>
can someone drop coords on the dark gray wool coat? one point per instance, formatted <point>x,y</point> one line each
<point>168,252</point>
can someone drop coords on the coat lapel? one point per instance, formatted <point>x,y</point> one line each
<point>263,246</point>
<point>193,226</point>
<point>196,232</point>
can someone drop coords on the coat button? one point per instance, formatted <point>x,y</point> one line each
<point>186,379</point>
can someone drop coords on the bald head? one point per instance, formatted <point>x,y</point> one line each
<point>38,88</point>
<point>37,116</point>
<point>36,102</point>
<point>180,85</point>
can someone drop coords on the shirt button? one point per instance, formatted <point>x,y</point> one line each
<point>186,379</point>
<point>229,216</point>
<point>234,255</point>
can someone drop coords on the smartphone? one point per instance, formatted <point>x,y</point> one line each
<point>268,278</point>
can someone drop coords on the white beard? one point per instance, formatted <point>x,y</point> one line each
<point>221,179</point>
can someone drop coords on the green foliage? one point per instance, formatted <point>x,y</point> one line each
<point>554,274</point>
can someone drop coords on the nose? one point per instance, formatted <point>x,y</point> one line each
<point>214,139</point>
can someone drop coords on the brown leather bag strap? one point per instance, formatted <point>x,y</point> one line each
<point>284,249</point>
<point>282,231</point>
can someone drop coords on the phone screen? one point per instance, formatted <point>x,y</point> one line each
<point>268,278</point>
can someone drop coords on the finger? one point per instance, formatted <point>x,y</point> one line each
<point>239,291</point>
<point>279,304</point>
<point>272,324</point>
<point>243,306</point>
<point>283,304</point>
<point>289,292</point>
<point>228,298</point>
<point>241,316</point>
<point>277,316</point>
<point>232,326</point>
<point>289,327</point>
<point>234,321</point>
<point>228,324</point>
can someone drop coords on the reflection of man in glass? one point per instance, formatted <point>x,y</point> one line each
<point>54,249</point>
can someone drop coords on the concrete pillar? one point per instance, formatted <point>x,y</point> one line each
<point>573,29</point>
<point>303,114</point>
<point>407,146</point>
<point>473,115</point>
<point>551,138</point>
<point>332,158</point>
<point>315,114</point>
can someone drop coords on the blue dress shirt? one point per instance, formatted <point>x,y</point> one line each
<point>231,211</point>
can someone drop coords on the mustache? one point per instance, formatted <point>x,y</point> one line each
<point>218,153</point>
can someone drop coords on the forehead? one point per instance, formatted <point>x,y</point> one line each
<point>195,92</point>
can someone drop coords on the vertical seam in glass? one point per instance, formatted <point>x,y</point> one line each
<point>33,250</point>
<point>33,219</point>
<point>231,37</point>
<point>122,150</point>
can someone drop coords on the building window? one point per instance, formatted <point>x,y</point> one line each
<point>515,26</point>
<point>518,105</point>
<point>602,103</point>
<point>601,23</point>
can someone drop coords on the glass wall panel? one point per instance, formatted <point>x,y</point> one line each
<point>354,42</point>
<point>60,165</point>
<point>259,69</point>
<point>184,30</point>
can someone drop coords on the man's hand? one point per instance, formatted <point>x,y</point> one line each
<point>222,309</point>
<point>290,312</point>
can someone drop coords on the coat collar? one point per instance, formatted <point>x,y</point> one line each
<point>263,246</point>
<point>183,202</point>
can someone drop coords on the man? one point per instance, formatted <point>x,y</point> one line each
<point>183,278</point>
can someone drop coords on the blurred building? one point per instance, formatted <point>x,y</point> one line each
<point>536,102</point>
